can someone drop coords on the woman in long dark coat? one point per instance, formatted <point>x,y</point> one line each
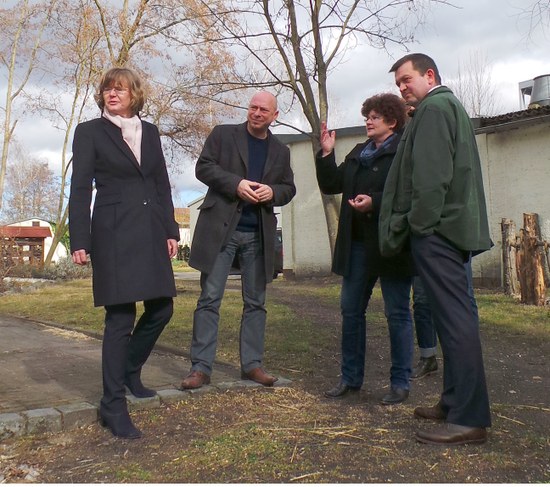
<point>130,236</point>
<point>360,179</point>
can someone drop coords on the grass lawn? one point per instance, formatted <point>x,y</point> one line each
<point>70,303</point>
<point>274,435</point>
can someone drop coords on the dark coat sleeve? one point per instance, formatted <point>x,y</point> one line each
<point>80,199</point>
<point>329,176</point>
<point>211,169</point>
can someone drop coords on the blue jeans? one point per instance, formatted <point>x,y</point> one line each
<point>426,335</point>
<point>356,292</point>
<point>248,247</point>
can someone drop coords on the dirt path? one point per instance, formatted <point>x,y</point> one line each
<point>517,366</point>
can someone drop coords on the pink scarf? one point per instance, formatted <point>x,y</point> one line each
<point>131,131</point>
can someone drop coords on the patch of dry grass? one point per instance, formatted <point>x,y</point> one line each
<point>279,435</point>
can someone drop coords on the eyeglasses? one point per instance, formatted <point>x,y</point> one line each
<point>373,118</point>
<point>118,91</point>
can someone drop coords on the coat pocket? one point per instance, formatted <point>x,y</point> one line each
<point>105,199</point>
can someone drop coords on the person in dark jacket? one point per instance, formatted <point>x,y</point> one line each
<point>360,179</point>
<point>247,171</point>
<point>434,204</point>
<point>130,236</point>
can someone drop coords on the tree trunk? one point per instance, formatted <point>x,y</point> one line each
<point>530,261</point>
<point>331,205</point>
<point>509,250</point>
<point>60,230</point>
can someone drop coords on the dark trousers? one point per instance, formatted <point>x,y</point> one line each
<point>126,348</point>
<point>441,268</point>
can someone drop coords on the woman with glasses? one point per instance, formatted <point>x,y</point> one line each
<point>130,236</point>
<point>360,179</point>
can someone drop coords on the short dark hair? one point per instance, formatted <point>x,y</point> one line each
<point>389,106</point>
<point>421,63</point>
<point>113,78</point>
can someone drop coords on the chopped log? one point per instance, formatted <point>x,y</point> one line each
<point>530,262</point>
<point>509,251</point>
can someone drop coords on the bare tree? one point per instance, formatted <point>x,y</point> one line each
<point>31,188</point>
<point>88,36</point>
<point>22,29</point>
<point>292,46</point>
<point>146,36</point>
<point>474,86</point>
<point>75,45</point>
<point>537,13</point>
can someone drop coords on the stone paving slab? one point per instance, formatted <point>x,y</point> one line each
<point>51,378</point>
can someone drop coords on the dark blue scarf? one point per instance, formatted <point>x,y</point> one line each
<point>370,152</point>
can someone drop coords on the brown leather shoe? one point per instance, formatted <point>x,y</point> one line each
<point>435,413</point>
<point>195,379</point>
<point>260,376</point>
<point>452,434</point>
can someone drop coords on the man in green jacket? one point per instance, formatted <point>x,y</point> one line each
<point>434,202</point>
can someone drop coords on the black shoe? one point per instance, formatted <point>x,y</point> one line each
<point>120,425</point>
<point>396,396</point>
<point>426,366</point>
<point>136,387</point>
<point>340,390</point>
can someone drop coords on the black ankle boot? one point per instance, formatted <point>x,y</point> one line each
<point>133,382</point>
<point>426,366</point>
<point>120,425</point>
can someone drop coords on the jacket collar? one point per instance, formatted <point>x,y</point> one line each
<point>242,145</point>
<point>115,133</point>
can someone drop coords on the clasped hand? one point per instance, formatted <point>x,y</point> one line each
<point>254,192</point>
<point>362,203</point>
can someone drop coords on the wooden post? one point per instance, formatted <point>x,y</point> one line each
<point>529,262</point>
<point>509,250</point>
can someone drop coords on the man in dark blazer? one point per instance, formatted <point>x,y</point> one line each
<point>247,171</point>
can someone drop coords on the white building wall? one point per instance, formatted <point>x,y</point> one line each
<point>516,165</point>
<point>516,173</point>
<point>305,236</point>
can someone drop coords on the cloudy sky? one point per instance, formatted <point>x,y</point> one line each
<point>494,28</point>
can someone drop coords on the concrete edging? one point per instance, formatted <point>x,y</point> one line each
<point>76,415</point>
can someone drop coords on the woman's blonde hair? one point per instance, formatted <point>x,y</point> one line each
<point>118,78</point>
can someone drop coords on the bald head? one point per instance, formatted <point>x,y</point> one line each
<point>262,112</point>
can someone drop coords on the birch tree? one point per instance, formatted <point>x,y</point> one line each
<point>90,36</point>
<point>22,29</point>
<point>31,188</point>
<point>474,86</point>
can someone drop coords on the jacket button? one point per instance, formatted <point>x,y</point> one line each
<point>375,168</point>
<point>145,202</point>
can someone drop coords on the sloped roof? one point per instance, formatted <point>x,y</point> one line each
<point>25,232</point>
<point>540,113</point>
